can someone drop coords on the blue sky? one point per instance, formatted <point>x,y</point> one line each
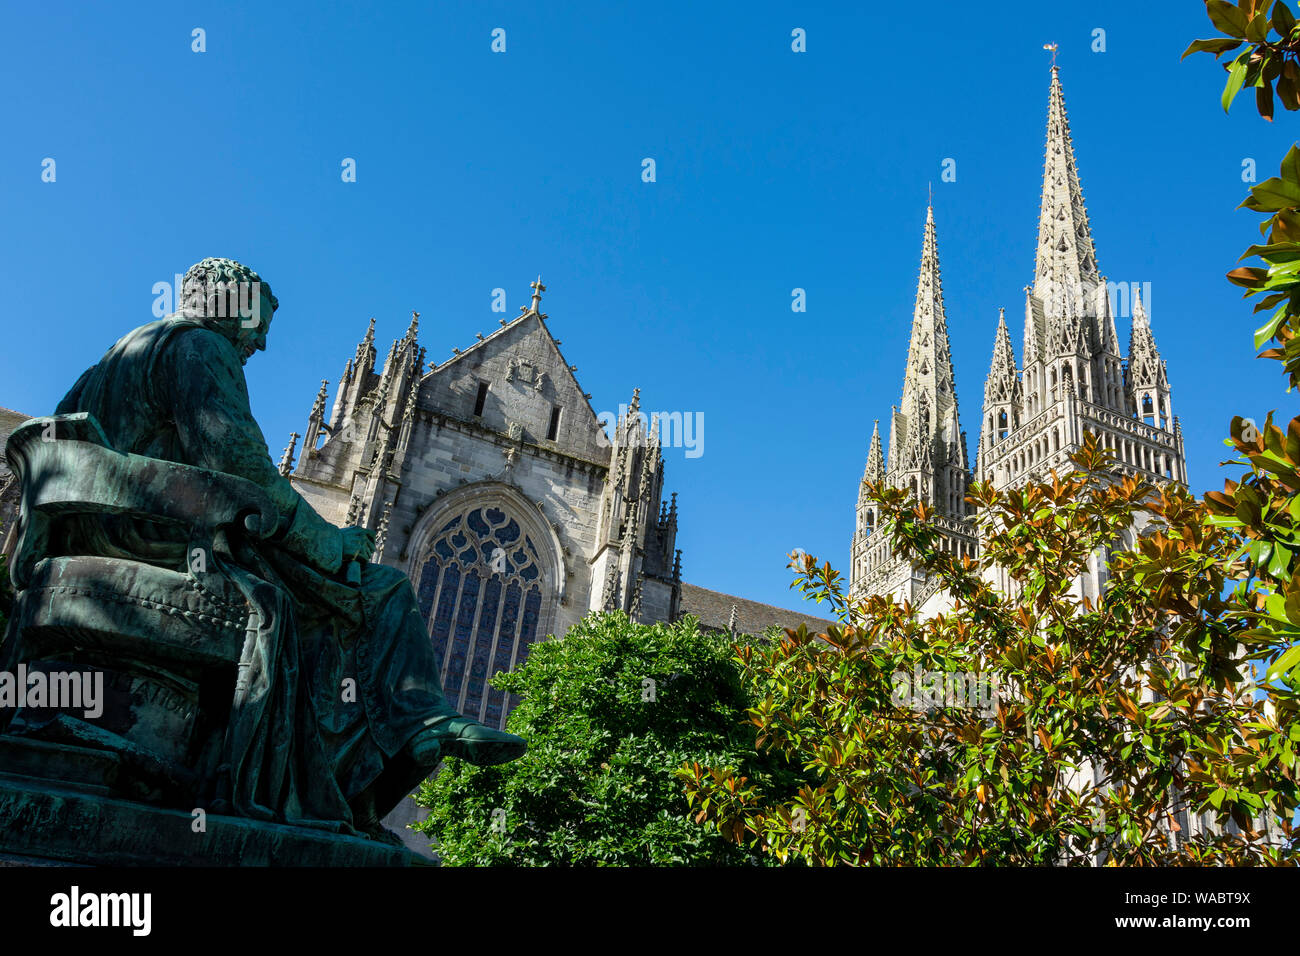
<point>775,170</point>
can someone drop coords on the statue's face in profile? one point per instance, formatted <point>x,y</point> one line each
<point>251,336</point>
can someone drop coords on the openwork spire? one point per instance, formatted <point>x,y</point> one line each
<point>1145,367</point>
<point>875,458</point>
<point>1002,385</point>
<point>929,403</point>
<point>1066,256</point>
<point>927,448</point>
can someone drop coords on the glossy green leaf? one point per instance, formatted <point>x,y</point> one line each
<point>1236,77</point>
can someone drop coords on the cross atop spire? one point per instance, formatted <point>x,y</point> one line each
<point>1066,263</point>
<point>538,289</point>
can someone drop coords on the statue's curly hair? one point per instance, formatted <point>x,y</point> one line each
<point>205,280</point>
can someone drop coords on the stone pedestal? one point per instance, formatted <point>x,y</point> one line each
<point>44,821</point>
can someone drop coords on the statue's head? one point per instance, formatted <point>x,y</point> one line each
<point>231,299</point>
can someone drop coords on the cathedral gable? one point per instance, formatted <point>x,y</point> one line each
<point>517,382</point>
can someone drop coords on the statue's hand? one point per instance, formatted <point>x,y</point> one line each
<point>358,543</point>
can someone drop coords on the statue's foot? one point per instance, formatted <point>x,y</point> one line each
<point>381,834</point>
<point>366,822</point>
<point>468,740</point>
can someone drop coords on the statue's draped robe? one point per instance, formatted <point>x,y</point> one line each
<point>335,679</point>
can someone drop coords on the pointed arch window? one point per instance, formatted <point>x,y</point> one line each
<point>481,590</point>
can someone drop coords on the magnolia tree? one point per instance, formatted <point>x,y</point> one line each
<point>1263,507</point>
<point>1095,728</point>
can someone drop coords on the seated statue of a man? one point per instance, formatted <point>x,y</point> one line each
<point>338,710</point>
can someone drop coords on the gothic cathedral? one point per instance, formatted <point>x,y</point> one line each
<point>490,480</point>
<point>1073,381</point>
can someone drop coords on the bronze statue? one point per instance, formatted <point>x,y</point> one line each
<point>256,672</point>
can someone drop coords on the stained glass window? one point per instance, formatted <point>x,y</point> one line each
<point>481,591</point>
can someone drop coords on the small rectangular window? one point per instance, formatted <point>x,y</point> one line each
<point>554,428</point>
<point>482,398</point>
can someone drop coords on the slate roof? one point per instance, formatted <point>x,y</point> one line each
<point>713,608</point>
<point>9,420</point>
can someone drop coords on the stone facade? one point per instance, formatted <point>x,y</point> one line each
<point>490,480</point>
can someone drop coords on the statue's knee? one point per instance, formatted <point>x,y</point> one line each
<point>382,575</point>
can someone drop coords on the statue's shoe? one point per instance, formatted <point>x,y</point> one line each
<point>367,823</point>
<point>381,834</point>
<point>468,740</point>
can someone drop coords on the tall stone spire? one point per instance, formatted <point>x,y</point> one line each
<point>1066,258</point>
<point>1070,345</point>
<point>927,448</point>
<point>929,360</point>
<point>926,421</point>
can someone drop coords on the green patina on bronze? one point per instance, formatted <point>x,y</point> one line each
<point>254,665</point>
